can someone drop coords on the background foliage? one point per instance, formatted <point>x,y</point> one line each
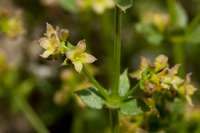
<point>147,30</point>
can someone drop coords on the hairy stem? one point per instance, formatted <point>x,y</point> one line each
<point>37,124</point>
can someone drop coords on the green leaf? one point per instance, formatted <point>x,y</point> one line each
<point>178,14</point>
<point>182,18</point>
<point>124,84</point>
<point>69,5</point>
<point>131,107</point>
<point>124,4</point>
<point>91,98</point>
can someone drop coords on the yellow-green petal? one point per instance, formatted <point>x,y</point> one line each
<point>78,66</point>
<point>88,58</point>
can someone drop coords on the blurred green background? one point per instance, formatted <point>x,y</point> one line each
<point>149,28</point>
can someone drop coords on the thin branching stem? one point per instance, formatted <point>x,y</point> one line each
<point>35,121</point>
<point>95,82</point>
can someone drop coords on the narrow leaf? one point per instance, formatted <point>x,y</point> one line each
<point>124,84</point>
<point>182,18</point>
<point>91,98</point>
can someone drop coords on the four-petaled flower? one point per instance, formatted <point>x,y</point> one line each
<point>78,56</point>
<point>54,41</point>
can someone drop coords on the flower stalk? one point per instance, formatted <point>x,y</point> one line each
<point>95,82</point>
<point>35,121</point>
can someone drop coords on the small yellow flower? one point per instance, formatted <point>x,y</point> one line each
<point>161,62</point>
<point>188,89</point>
<point>78,56</point>
<point>171,78</point>
<point>145,63</point>
<point>54,41</point>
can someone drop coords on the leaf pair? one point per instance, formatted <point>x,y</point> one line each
<point>92,98</point>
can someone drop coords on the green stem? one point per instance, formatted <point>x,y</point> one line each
<point>37,124</point>
<point>114,116</point>
<point>95,82</point>
<point>178,51</point>
<point>114,121</point>
<point>117,51</point>
<point>178,45</point>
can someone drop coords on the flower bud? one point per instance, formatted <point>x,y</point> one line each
<point>64,33</point>
<point>160,62</point>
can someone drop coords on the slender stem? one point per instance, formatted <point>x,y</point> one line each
<point>178,46</point>
<point>179,57</point>
<point>95,82</point>
<point>117,51</point>
<point>114,116</point>
<point>37,124</point>
<point>131,91</point>
<point>114,121</point>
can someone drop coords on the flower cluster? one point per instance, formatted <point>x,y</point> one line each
<point>159,77</point>
<point>54,43</point>
<point>99,6</point>
<point>11,26</point>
